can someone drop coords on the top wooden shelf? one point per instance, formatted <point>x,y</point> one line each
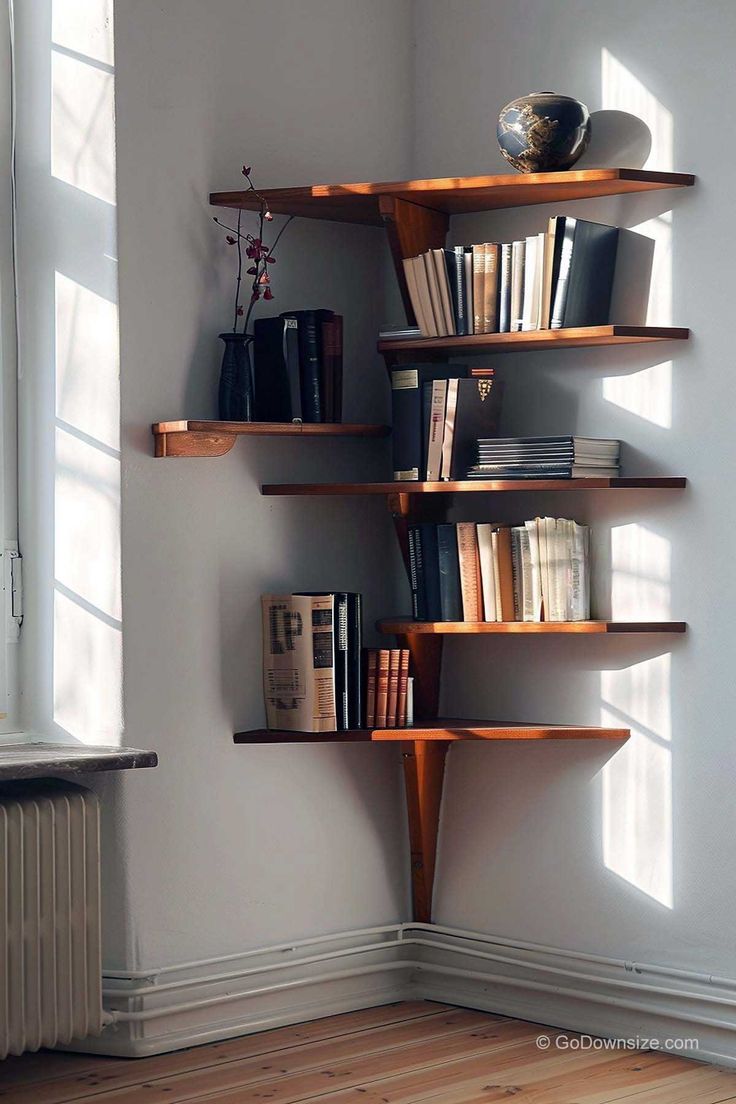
<point>454,195</point>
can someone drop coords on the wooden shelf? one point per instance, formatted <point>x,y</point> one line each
<point>535,339</point>
<point>444,729</point>
<point>361,203</point>
<point>192,438</point>
<point>486,486</point>
<point>400,627</point>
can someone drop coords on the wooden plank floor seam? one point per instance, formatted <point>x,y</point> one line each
<point>407,1053</point>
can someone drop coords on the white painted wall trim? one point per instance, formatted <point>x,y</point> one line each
<point>171,1007</point>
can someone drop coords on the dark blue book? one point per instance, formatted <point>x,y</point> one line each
<point>449,572</point>
<point>309,331</point>
<point>407,399</point>
<point>431,571</point>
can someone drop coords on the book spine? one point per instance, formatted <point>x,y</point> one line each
<point>413,289</point>
<point>426,427</point>
<point>403,681</point>
<point>430,571</point>
<point>527,585</point>
<point>470,580</point>
<point>449,430</point>
<point>462,301</point>
<point>436,430</point>
<point>449,569</point>
<point>341,661</point>
<point>412,542</point>
<point>409,701</point>
<point>479,281</point>
<point>407,428</point>
<point>382,687</point>
<point>563,276</point>
<point>518,252</point>
<point>370,688</point>
<point>528,315</point>
<point>310,367</point>
<point>393,687</point>
<point>487,574</point>
<point>469,292</point>
<point>490,288</point>
<point>506,574</point>
<point>421,604</point>
<point>332,368</point>
<point>504,293</point>
<point>516,574</point>
<point>355,649</point>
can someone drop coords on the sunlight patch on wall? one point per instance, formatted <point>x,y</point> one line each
<point>87,362</point>
<point>87,685</point>
<point>647,393</point>
<point>640,574</point>
<point>84,26</point>
<point>83,126</point>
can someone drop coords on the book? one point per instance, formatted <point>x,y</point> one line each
<point>403,687</point>
<point>487,571</point>
<point>518,252</point>
<point>516,569</point>
<point>430,571</point>
<point>409,701</point>
<point>455,264</point>
<point>340,644</point>
<point>425,299</point>
<point>504,290</point>
<point>370,688</point>
<point>585,280</point>
<point>473,411</point>
<point>355,649</point>
<point>434,293</point>
<point>551,266</point>
<point>382,687</point>
<point>490,288</point>
<point>406,399</point>
<point>309,332</point>
<point>470,576</point>
<point>501,537</point>
<point>479,281</point>
<point>399,333</point>
<point>413,288</point>
<point>563,456</point>
<point>347,631</point>
<point>393,688</point>
<point>438,255</point>
<point>416,574</point>
<point>276,380</point>
<point>449,572</point>
<point>331,376</point>
<point>531,302</point>
<point>436,429</point>
<point>298,662</point>
<point>468,287</point>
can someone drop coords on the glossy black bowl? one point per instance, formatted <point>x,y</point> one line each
<point>543,132</point>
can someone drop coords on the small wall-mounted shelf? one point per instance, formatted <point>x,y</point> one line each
<point>530,340</point>
<point>487,486</point>
<point>400,627</point>
<point>442,729</point>
<point>188,438</point>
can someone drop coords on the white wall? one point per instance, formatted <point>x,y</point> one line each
<point>231,847</point>
<point>621,852</point>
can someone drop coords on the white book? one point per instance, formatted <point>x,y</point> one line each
<point>409,701</point>
<point>449,434</point>
<point>580,573</point>
<point>527,587</point>
<point>436,430</point>
<point>496,574</point>
<point>529,311</point>
<point>487,571</point>
<point>298,662</point>
<point>542,245</point>
<point>535,569</point>
<point>558,549</point>
<point>518,251</point>
<point>517,574</point>
<point>443,283</point>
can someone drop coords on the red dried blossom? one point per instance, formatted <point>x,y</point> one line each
<point>268,294</point>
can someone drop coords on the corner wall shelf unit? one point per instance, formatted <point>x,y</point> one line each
<point>443,728</point>
<point>192,438</point>
<point>416,216</point>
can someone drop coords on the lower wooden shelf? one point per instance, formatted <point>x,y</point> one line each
<point>444,729</point>
<point>401,627</point>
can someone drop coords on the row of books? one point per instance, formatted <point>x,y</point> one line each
<point>389,689</point>
<point>562,277</point>
<point>564,456</point>
<point>297,367</point>
<point>538,571</point>
<point>439,413</point>
<point>312,648</point>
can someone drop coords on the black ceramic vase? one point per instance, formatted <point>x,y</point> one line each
<point>543,132</point>
<point>236,380</point>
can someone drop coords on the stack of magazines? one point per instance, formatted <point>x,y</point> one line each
<point>558,457</point>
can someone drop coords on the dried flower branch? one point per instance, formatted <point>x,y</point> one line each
<point>257,251</point>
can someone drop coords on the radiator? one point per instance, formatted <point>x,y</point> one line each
<point>50,968</point>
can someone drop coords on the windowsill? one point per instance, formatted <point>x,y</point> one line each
<point>35,758</point>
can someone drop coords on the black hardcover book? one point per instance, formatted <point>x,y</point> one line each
<point>449,569</point>
<point>276,378</point>
<point>455,264</point>
<point>431,571</point>
<point>309,330</point>
<point>582,295</point>
<point>426,425</point>
<point>416,573</point>
<point>407,403</point>
<point>476,415</point>
<point>355,651</point>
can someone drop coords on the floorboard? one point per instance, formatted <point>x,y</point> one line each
<point>410,1053</point>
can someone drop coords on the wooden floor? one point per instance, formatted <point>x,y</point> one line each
<point>396,1054</point>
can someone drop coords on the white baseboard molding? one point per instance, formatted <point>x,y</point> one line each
<point>181,1006</point>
